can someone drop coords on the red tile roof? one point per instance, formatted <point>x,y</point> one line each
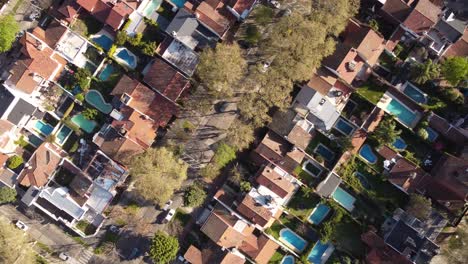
<point>69,10</point>
<point>114,19</point>
<point>88,5</point>
<point>212,18</point>
<point>242,5</point>
<point>260,249</point>
<point>254,211</point>
<point>166,80</point>
<point>52,34</point>
<point>193,255</point>
<point>139,129</point>
<point>397,9</point>
<point>422,17</point>
<point>380,252</point>
<point>459,48</point>
<point>275,182</point>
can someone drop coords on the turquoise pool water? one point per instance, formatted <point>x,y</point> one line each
<point>44,128</point>
<point>152,6</point>
<point>34,140</point>
<point>432,134</point>
<point>405,116</point>
<point>179,3</point>
<point>104,41</point>
<point>399,144</point>
<point>86,125</point>
<point>127,57</point>
<point>324,152</point>
<point>366,153</point>
<point>106,72</point>
<point>315,255</point>
<point>63,134</point>
<point>318,214</point>
<point>344,199</point>
<point>287,260</point>
<point>344,127</point>
<point>95,99</point>
<point>292,239</point>
<point>414,93</point>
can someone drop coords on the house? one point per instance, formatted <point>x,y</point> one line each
<point>206,256</point>
<point>52,34</point>
<point>422,17</point>
<point>412,238</point>
<point>73,195</point>
<point>241,8</point>
<point>278,151</point>
<point>163,78</point>
<point>379,252</point>
<point>14,109</point>
<point>37,65</point>
<point>329,185</point>
<point>178,55</point>
<point>261,206</point>
<point>8,177</point>
<point>459,48</point>
<point>111,13</point>
<point>279,182</point>
<point>449,185</point>
<point>228,231</point>
<point>293,127</point>
<point>452,133</point>
<point>67,11</point>
<point>394,11</point>
<point>7,135</point>
<point>185,28</point>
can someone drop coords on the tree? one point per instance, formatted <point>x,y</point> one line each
<point>455,69</point>
<point>224,154</point>
<point>221,68</point>
<point>90,113</point>
<point>419,206</point>
<point>7,195</point>
<point>423,72</point>
<point>374,24</point>
<point>326,232</point>
<point>83,78</point>
<point>14,245</point>
<point>240,135</point>
<point>245,186</point>
<point>163,248</point>
<point>195,196</point>
<point>235,175</point>
<point>422,133</point>
<point>386,133</point>
<point>157,173</point>
<point>8,30</point>
<point>14,162</point>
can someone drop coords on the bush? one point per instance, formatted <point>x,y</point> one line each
<point>398,49</point>
<point>195,196</point>
<point>121,38</point>
<point>163,248</point>
<point>112,50</point>
<point>90,113</point>
<point>252,34</point>
<point>21,142</point>
<point>83,77</point>
<point>224,155</point>
<point>135,40</point>
<point>7,195</point>
<point>422,133</point>
<point>149,48</point>
<point>14,162</point>
<point>245,186</point>
<point>80,97</point>
<point>374,24</point>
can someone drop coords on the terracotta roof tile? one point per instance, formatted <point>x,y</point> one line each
<point>264,249</point>
<point>254,212</point>
<point>422,17</point>
<point>398,9</point>
<point>211,17</point>
<point>242,5</point>
<point>69,9</point>
<point>275,182</point>
<point>52,34</point>
<point>193,255</point>
<point>114,19</point>
<point>88,5</point>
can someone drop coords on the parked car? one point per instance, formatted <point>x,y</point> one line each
<point>167,205</point>
<point>170,214</point>
<point>21,225</point>
<point>64,256</point>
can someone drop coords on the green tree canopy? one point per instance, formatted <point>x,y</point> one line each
<point>195,196</point>
<point>419,206</point>
<point>241,136</point>
<point>455,69</point>
<point>386,133</point>
<point>163,248</point>
<point>14,162</point>
<point>158,173</point>
<point>7,195</point>
<point>14,245</point>
<point>221,68</point>
<point>423,72</point>
<point>8,29</point>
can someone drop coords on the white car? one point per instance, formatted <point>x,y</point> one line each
<point>167,205</point>
<point>21,225</point>
<point>64,256</point>
<point>170,214</point>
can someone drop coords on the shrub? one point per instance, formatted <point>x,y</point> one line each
<point>163,248</point>
<point>80,97</point>
<point>149,48</point>
<point>398,49</point>
<point>245,186</point>
<point>135,40</point>
<point>83,77</point>
<point>374,24</point>
<point>195,196</point>
<point>90,113</point>
<point>121,38</point>
<point>14,162</point>
<point>7,195</point>
<point>422,133</point>
<point>50,138</point>
<point>224,155</point>
<point>112,50</point>
<point>21,142</point>
<point>252,34</point>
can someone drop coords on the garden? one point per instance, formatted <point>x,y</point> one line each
<point>358,109</point>
<point>324,150</point>
<point>372,90</point>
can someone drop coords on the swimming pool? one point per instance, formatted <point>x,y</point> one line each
<point>415,94</point>
<point>287,260</point>
<point>367,154</point>
<point>362,179</point>
<point>344,198</point>
<point>310,167</point>
<point>95,99</point>
<point>86,125</point>
<point>432,134</point>
<point>43,128</point>
<point>325,152</point>
<point>399,144</point>
<point>106,72</point>
<point>151,7</point>
<point>402,112</point>
<point>344,127</point>
<point>293,240</point>
<point>104,41</point>
<point>316,254</point>
<point>318,214</point>
<point>34,140</point>
<point>179,3</point>
<point>126,57</point>
<point>63,134</point>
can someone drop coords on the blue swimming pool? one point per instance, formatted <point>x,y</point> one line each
<point>95,99</point>
<point>126,57</point>
<point>362,179</point>
<point>293,240</point>
<point>44,128</point>
<point>344,127</point>
<point>63,134</point>
<point>325,152</point>
<point>367,154</point>
<point>399,144</point>
<point>179,3</point>
<point>414,93</point>
<point>402,112</point>
<point>287,260</point>
<point>315,255</point>
<point>152,6</point>
<point>432,134</point>
<point>106,72</point>
<point>318,214</point>
<point>344,199</point>
<point>34,140</point>
<point>104,41</point>
<point>86,125</point>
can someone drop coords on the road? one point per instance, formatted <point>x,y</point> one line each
<point>41,229</point>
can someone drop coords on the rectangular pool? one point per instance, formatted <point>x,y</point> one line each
<point>415,94</point>
<point>293,240</point>
<point>316,254</point>
<point>325,152</point>
<point>402,112</point>
<point>344,127</point>
<point>43,128</point>
<point>63,134</point>
<point>318,214</point>
<point>344,199</point>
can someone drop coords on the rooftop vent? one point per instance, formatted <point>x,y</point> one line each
<point>352,65</point>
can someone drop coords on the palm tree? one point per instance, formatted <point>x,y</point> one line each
<point>423,72</point>
<point>386,133</point>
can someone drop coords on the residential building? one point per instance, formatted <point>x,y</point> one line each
<point>207,256</point>
<point>329,185</point>
<point>8,177</point>
<point>379,252</point>
<point>178,55</point>
<point>452,132</point>
<point>214,15</point>
<point>111,13</point>
<point>241,8</point>
<point>292,125</point>
<point>459,48</point>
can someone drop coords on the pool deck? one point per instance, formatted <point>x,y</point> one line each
<point>388,97</point>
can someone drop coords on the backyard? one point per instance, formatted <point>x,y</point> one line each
<point>302,203</point>
<point>372,90</point>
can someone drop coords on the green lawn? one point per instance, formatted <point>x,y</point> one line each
<point>372,90</point>
<point>347,237</point>
<point>304,176</point>
<point>301,204</point>
<point>277,257</point>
